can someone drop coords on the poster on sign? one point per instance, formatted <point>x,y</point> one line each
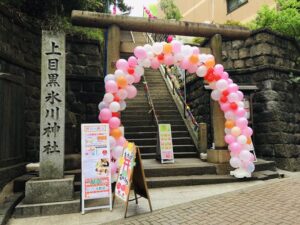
<point>127,162</point>
<point>95,161</point>
<point>165,143</point>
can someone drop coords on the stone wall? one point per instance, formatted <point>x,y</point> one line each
<point>20,43</point>
<point>269,61</point>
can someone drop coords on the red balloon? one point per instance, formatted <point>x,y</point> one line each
<point>225,92</point>
<point>233,106</point>
<point>160,57</point>
<point>217,77</point>
<point>116,114</point>
<point>223,99</point>
<point>130,71</point>
<point>116,98</point>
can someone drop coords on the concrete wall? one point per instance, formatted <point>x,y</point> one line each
<point>20,43</point>
<point>266,60</point>
<point>216,10</point>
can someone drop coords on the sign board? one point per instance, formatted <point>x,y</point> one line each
<point>165,143</point>
<point>125,173</point>
<point>95,161</point>
<point>131,176</point>
<point>52,121</point>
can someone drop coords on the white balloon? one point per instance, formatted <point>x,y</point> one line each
<point>186,50</point>
<point>242,139</point>
<point>112,142</point>
<point>122,93</point>
<point>215,95</point>
<point>203,57</point>
<point>178,57</point>
<point>148,47</point>
<point>146,63</point>
<point>221,84</point>
<point>233,97</point>
<point>139,70</point>
<point>108,98</point>
<point>109,77</point>
<point>201,71</point>
<point>157,48</point>
<point>240,104</point>
<point>123,105</point>
<point>114,106</point>
<point>102,105</point>
<point>245,155</point>
<point>130,79</point>
<point>119,73</point>
<point>230,115</point>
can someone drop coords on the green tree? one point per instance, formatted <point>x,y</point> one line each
<point>170,9</point>
<point>285,20</point>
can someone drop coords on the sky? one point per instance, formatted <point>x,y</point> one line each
<point>138,6</point>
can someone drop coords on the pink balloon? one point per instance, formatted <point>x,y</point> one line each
<point>225,107</point>
<point>122,64</point>
<point>235,147</point>
<point>155,63</point>
<point>240,95</point>
<point>105,114</point>
<point>224,75</point>
<point>195,50</point>
<point>122,94</point>
<point>114,122</point>
<point>247,131</point>
<point>121,141</point>
<point>240,112</point>
<point>132,61</point>
<point>219,69</point>
<point>185,64</point>
<point>192,68</point>
<point>116,152</point>
<point>113,168</point>
<point>233,88</point>
<point>140,52</point>
<point>169,59</point>
<point>131,90</point>
<point>241,122</point>
<point>137,78</point>
<point>111,86</point>
<point>169,38</point>
<point>229,139</point>
<point>176,46</point>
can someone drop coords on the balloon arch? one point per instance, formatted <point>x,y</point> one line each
<point>119,86</point>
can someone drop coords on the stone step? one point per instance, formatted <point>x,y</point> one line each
<point>148,116</point>
<point>176,155</point>
<point>152,141</point>
<point>153,128</point>
<point>150,134</point>
<point>150,123</point>
<point>158,111</point>
<point>188,148</point>
<point>172,181</point>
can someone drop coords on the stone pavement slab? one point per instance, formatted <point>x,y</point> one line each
<point>272,203</point>
<point>202,204</point>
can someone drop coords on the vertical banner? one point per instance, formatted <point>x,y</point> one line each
<point>95,164</point>
<point>52,121</point>
<point>127,162</point>
<point>165,143</point>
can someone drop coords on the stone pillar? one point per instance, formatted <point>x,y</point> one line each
<point>202,137</point>
<point>51,185</point>
<point>113,47</point>
<point>220,154</point>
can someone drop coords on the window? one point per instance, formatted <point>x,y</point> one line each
<point>234,4</point>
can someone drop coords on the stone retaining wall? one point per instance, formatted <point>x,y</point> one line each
<point>20,43</point>
<point>267,60</point>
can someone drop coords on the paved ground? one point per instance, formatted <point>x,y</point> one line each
<point>272,203</point>
<point>275,201</point>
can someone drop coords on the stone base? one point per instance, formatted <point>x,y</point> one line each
<point>44,209</point>
<point>218,156</point>
<point>46,191</point>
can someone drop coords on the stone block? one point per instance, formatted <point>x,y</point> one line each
<point>237,44</point>
<point>249,62</point>
<point>290,164</point>
<point>233,54</point>
<point>243,53</point>
<point>218,156</point>
<point>238,64</point>
<point>286,150</point>
<point>45,191</point>
<point>93,71</point>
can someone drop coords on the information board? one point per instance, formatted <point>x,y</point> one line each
<point>95,161</point>
<point>165,143</point>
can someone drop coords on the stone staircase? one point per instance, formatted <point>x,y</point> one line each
<point>140,126</point>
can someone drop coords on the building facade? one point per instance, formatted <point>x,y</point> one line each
<point>220,11</point>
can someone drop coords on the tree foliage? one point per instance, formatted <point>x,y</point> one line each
<point>43,9</point>
<point>286,19</point>
<point>170,9</point>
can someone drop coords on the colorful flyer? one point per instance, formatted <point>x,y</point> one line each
<point>166,144</point>
<point>95,161</point>
<point>127,162</point>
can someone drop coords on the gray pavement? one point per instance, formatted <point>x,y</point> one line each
<point>274,201</point>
